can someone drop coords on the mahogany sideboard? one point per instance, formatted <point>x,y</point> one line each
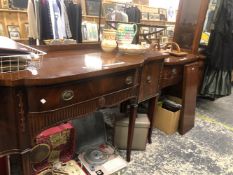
<point>71,83</point>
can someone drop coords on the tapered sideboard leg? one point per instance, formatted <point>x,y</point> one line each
<point>151,116</point>
<point>132,118</point>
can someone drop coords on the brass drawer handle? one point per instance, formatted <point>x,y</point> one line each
<point>68,95</point>
<point>129,80</point>
<point>148,79</point>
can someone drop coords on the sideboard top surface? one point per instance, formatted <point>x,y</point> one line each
<point>71,65</point>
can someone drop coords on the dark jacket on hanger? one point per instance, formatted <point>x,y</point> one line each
<point>134,14</point>
<point>74,12</point>
<point>46,24</point>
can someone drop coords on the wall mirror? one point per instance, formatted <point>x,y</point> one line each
<point>189,24</point>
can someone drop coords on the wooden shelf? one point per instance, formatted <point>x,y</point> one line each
<point>93,18</point>
<point>157,22</point>
<point>22,39</point>
<point>13,11</point>
<point>90,16</point>
<point>139,24</point>
<point>87,41</point>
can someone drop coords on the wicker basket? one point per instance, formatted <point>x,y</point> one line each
<point>174,49</point>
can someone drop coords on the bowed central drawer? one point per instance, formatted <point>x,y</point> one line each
<point>46,98</point>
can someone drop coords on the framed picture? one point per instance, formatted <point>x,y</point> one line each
<point>163,17</point>
<point>110,7</point>
<point>145,16</point>
<point>13,32</point>
<point>16,4</point>
<point>1,29</point>
<point>162,11</point>
<point>14,35</point>
<point>4,4</point>
<point>93,7</point>
<point>154,16</point>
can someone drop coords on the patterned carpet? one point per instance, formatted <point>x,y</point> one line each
<point>206,150</point>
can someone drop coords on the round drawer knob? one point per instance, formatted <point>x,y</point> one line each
<point>129,80</point>
<point>148,79</point>
<point>68,95</point>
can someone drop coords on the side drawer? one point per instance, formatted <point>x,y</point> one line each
<point>45,98</point>
<point>171,75</point>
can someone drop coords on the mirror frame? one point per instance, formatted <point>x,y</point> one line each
<point>198,28</point>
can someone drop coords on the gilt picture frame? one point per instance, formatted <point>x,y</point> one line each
<point>14,32</point>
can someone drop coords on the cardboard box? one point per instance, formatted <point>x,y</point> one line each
<point>165,120</point>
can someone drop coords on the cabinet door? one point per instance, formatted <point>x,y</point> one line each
<point>190,84</point>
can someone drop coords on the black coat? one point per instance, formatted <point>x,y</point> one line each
<point>220,48</point>
<point>219,62</point>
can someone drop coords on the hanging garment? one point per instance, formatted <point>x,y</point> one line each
<point>37,15</point>
<point>78,23</point>
<point>55,15</point>
<point>33,32</point>
<point>65,21</point>
<point>217,78</point>
<point>74,12</point>
<point>134,14</point>
<point>45,21</point>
